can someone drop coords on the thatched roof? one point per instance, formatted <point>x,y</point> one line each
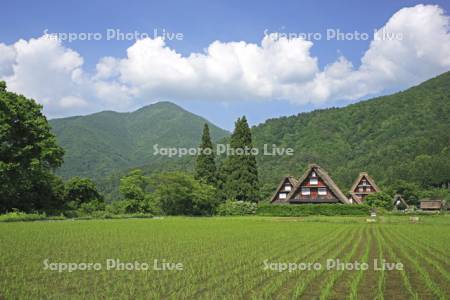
<point>369,179</point>
<point>398,197</point>
<point>354,199</point>
<point>326,179</point>
<point>290,179</point>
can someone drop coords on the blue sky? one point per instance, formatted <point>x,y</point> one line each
<point>202,23</point>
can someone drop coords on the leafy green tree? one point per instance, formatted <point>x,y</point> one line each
<point>51,192</point>
<point>91,207</point>
<point>380,199</point>
<point>28,155</point>
<point>181,194</point>
<point>239,173</point>
<point>79,191</point>
<point>205,166</point>
<point>408,190</point>
<point>422,170</point>
<point>442,169</point>
<point>133,188</point>
<point>133,185</point>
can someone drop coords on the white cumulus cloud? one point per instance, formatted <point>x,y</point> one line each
<point>412,46</point>
<point>46,71</point>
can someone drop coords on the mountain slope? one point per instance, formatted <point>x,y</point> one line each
<point>105,143</point>
<point>401,136</point>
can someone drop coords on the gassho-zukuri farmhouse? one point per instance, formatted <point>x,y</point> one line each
<point>316,186</point>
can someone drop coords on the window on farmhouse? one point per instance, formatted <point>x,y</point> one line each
<point>313,181</point>
<point>322,191</point>
<point>282,195</point>
<point>306,191</point>
<point>287,187</point>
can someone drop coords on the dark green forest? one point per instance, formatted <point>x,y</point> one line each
<point>404,136</point>
<point>402,140</point>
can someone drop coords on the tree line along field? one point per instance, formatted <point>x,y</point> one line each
<point>224,258</point>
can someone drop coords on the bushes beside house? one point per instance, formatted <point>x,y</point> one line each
<point>312,209</point>
<point>380,200</point>
<point>236,208</point>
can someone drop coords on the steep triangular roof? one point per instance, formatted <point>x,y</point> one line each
<point>291,180</point>
<point>398,197</point>
<point>369,179</point>
<point>355,199</point>
<point>326,179</point>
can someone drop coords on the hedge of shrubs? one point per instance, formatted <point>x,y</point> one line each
<point>312,209</point>
<point>17,216</point>
<point>236,208</point>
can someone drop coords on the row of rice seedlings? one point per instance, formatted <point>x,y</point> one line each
<point>197,266</point>
<point>151,282</point>
<point>325,293</point>
<point>205,271</point>
<point>158,283</point>
<point>431,285</point>
<point>382,278</point>
<point>15,262</point>
<point>190,277</point>
<point>337,249</point>
<point>432,237</point>
<point>272,280</point>
<point>25,245</point>
<point>63,250</point>
<point>359,275</point>
<point>315,245</point>
<point>218,277</point>
<point>228,281</point>
<point>407,284</point>
<point>200,270</point>
<point>426,249</point>
<point>196,269</point>
<point>413,246</point>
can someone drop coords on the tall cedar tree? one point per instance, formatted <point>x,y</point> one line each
<point>205,166</point>
<point>239,173</point>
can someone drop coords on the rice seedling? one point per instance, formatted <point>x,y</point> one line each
<point>221,258</point>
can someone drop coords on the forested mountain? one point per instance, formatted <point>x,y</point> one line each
<point>402,136</point>
<point>107,143</point>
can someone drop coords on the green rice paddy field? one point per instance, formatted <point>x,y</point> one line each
<point>226,258</point>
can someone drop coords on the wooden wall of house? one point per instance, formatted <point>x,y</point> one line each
<point>314,191</point>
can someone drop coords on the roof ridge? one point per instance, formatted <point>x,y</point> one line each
<point>328,180</point>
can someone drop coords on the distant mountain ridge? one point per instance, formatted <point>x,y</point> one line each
<point>108,142</point>
<point>401,136</point>
<point>404,136</point>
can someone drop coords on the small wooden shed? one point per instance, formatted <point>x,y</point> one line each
<point>428,204</point>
